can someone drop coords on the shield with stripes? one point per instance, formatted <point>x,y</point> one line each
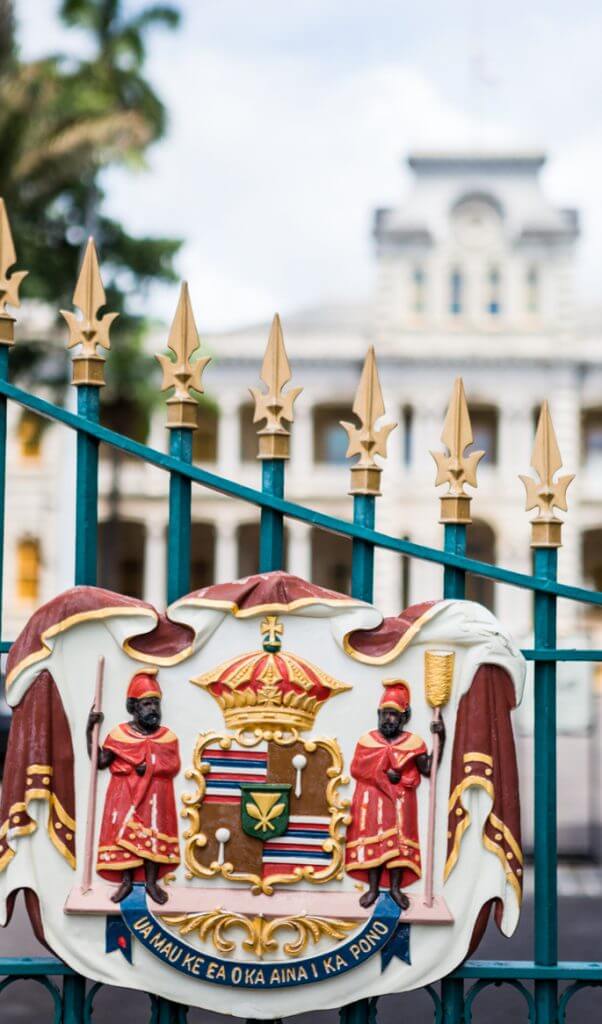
<point>268,797</point>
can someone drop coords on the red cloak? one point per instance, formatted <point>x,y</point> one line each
<point>140,821</point>
<point>384,815</point>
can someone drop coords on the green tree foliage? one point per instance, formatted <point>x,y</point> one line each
<point>64,121</point>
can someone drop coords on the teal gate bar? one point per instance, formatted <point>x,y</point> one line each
<point>547,985</point>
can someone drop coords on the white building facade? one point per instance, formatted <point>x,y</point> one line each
<point>475,279</point>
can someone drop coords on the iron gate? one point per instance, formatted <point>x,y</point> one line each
<point>547,998</point>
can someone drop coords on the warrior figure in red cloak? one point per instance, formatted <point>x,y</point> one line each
<point>139,831</point>
<point>382,845</point>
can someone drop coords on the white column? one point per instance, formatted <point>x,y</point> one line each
<point>515,439</point>
<point>299,549</point>
<point>428,424</point>
<point>228,437</point>
<point>513,606</point>
<point>564,406</point>
<point>155,564</point>
<point>387,564</point>
<point>393,412</point>
<point>226,554</point>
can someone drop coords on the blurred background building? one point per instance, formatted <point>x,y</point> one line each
<point>475,279</point>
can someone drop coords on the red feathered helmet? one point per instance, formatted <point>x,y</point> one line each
<point>144,684</point>
<point>396,695</point>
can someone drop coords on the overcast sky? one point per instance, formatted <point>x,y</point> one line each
<point>290,121</point>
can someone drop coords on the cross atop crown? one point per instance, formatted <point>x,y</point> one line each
<point>271,632</point>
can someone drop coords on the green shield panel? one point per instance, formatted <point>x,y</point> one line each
<point>264,809</point>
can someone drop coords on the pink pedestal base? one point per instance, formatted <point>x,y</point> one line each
<point>193,900</point>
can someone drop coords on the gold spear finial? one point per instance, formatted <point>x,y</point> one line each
<point>365,440</point>
<point>274,405</point>
<point>182,373</point>
<point>90,330</point>
<point>546,495</point>
<point>454,467</point>
<point>9,285</point>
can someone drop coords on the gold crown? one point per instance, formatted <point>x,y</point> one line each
<point>269,688</point>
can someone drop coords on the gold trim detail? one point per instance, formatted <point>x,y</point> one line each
<point>488,843</point>
<point>474,755</point>
<point>546,495</point>
<point>454,467</point>
<point>260,932</point>
<point>274,608</point>
<point>9,283</point>
<point>274,405</point>
<point>22,807</point>
<point>367,441</point>
<point>182,373</point>
<point>402,643</point>
<point>60,627</point>
<point>338,807</point>
<point>172,659</point>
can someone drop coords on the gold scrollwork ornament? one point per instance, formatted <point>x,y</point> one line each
<point>260,932</point>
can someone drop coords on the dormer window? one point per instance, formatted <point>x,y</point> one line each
<point>418,290</point>
<point>532,290</point>
<point>456,288</point>
<point>494,280</point>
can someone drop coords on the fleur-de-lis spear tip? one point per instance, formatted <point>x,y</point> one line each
<point>9,284</point>
<point>182,373</point>
<point>366,440</point>
<point>274,405</point>
<point>547,494</point>
<point>454,467</point>
<point>90,330</point>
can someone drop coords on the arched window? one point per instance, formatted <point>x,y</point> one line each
<point>591,438</point>
<point>204,438</point>
<point>202,555</point>
<point>418,290</point>
<point>247,542</point>
<point>480,544</point>
<point>484,422</point>
<point>407,416</point>
<point>248,433</point>
<point>532,283</point>
<point>330,561</point>
<point>28,569</point>
<point>456,289</point>
<point>121,556</point>
<point>591,555</point>
<point>330,440</point>
<point>29,432</point>
<point>494,281</point>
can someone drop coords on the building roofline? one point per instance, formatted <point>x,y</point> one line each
<point>528,159</point>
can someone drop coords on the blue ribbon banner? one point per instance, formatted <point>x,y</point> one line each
<point>383,933</point>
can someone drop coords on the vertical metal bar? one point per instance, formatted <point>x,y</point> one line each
<point>74,997</point>
<point>363,1011</point>
<point>179,527</point>
<point>3,410</point>
<point>271,529</point>
<point>546,853</point>
<point>454,580</point>
<point>452,1000</point>
<point>86,489</point>
<point>166,1012</point>
<point>362,558</point>
<point>454,586</point>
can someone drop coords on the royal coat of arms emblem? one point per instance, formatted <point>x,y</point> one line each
<point>275,787</point>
